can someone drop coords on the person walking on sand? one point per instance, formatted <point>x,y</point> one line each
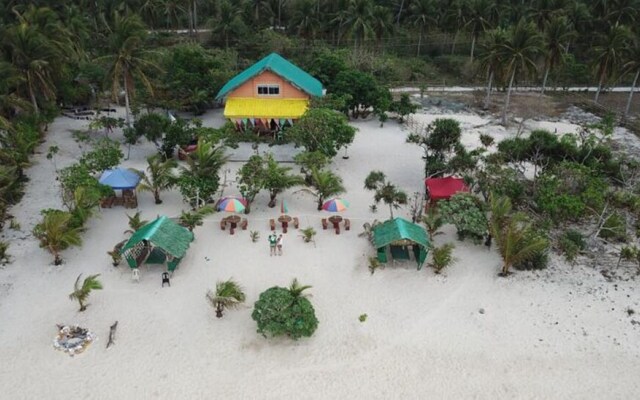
<point>272,244</point>
<point>279,243</point>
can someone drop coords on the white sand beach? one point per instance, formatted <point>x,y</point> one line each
<point>560,333</point>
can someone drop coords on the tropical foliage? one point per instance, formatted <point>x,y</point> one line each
<point>57,233</point>
<point>81,292</point>
<point>385,191</point>
<point>228,294</point>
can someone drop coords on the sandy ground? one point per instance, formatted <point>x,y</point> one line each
<point>561,333</point>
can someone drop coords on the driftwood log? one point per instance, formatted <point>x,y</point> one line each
<point>112,334</point>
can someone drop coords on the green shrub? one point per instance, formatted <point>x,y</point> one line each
<point>539,260</point>
<point>279,311</point>
<point>465,212</point>
<point>614,228</point>
<point>571,243</point>
<point>4,255</point>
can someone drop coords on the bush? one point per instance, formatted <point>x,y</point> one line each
<point>279,312</point>
<point>571,243</point>
<point>614,228</point>
<point>465,212</point>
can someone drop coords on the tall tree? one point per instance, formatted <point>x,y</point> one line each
<point>326,184</point>
<point>632,66</point>
<point>478,19</point>
<point>161,176</point>
<point>277,179</point>
<point>609,54</point>
<point>423,13</point>
<point>520,52</point>
<point>358,18</point>
<point>385,191</point>
<point>128,58</point>
<point>491,59</point>
<point>557,34</point>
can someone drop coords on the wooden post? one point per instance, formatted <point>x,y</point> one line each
<point>112,334</point>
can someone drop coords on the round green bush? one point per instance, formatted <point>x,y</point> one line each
<point>278,312</point>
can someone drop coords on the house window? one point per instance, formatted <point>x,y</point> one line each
<point>268,90</point>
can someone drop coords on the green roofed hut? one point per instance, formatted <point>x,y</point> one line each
<point>160,241</point>
<point>402,240</point>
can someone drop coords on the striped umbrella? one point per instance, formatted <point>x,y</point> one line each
<point>335,205</point>
<point>284,208</point>
<point>231,204</point>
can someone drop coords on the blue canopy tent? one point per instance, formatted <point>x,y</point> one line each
<point>121,179</point>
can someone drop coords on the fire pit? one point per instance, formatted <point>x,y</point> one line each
<point>73,339</point>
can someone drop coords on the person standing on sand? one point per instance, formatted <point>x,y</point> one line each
<point>279,243</point>
<point>272,244</point>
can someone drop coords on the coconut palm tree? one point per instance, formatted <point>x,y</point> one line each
<point>296,289</point>
<point>206,161</point>
<point>385,191</point>
<point>81,293</point>
<point>557,34</point>
<point>228,21</point>
<point>305,19</point>
<point>128,61</point>
<point>520,52</point>
<point>632,65</point>
<point>357,20</point>
<point>136,222</point>
<point>228,294</point>
<point>423,13</point>
<point>276,179</point>
<point>56,233</point>
<point>609,54</point>
<point>381,24</point>
<point>161,176</point>
<point>478,19</point>
<point>492,57</point>
<point>10,81</point>
<point>432,221</point>
<point>326,184</point>
<point>442,257</point>
<point>517,242</point>
<point>194,218</point>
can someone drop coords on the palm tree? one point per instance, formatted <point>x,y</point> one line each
<point>227,22</point>
<point>432,221</point>
<point>276,179</point>
<point>56,233</point>
<point>296,289</point>
<point>326,184</point>
<point>161,176</point>
<point>442,257</point>
<point>609,54</point>
<point>423,13</point>
<point>385,191</point>
<point>478,19</point>
<point>228,294</point>
<point>192,219</point>
<point>517,242</point>
<point>81,293</point>
<point>557,33</point>
<point>305,19</point>
<point>128,59</point>
<point>136,222</point>
<point>630,66</point>
<point>520,52</point>
<point>10,81</point>
<point>492,57</point>
<point>358,17</point>
<point>381,23</point>
<point>206,161</point>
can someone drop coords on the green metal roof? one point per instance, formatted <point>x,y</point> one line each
<point>164,233</point>
<point>280,66</point>
<point>398,229</point>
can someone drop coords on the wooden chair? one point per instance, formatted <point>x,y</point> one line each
<point>347,224</point>
<point>223,224</point>
<point>243,224</point>
<point>324,224</point>
<point>165,279</point>
<point>272,224</point>
<point>296,223</point>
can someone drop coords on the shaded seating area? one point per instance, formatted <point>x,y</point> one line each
<point>162,241</point>
<point>444,188</point>
<point>399,239</point>
<point>124,180</point>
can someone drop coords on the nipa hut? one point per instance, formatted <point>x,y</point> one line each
<point>158,242</point>
<point>399,239</point>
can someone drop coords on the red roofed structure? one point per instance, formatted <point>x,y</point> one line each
<point>444,188</point>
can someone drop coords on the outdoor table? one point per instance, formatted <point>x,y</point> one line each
<point>335,220</point>
<point>233,220</point>
<point>284,220</point>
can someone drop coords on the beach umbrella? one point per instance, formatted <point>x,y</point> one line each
<point>231,204</point>
<point>335,205</point>
<point>284,208</point>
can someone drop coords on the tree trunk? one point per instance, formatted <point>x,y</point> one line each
<point>247,208</point>
<point>126,100</point>
<point>399,13</point>
<point>633,87</point>
<point>455,39</point>
<point>195,17</point>
<point>544,80</point>
<point>420,41</point>
<point>506,103</point>
<point>156,196</point>
<point>219,310</point>
<point>34,102</point>
<point>272,199</point>
<point>486,100</point>
<point>391,209</point>
<point>473,47</point>
<point>599,88</point>
<point>320,201</point>
<point>82,305</point>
